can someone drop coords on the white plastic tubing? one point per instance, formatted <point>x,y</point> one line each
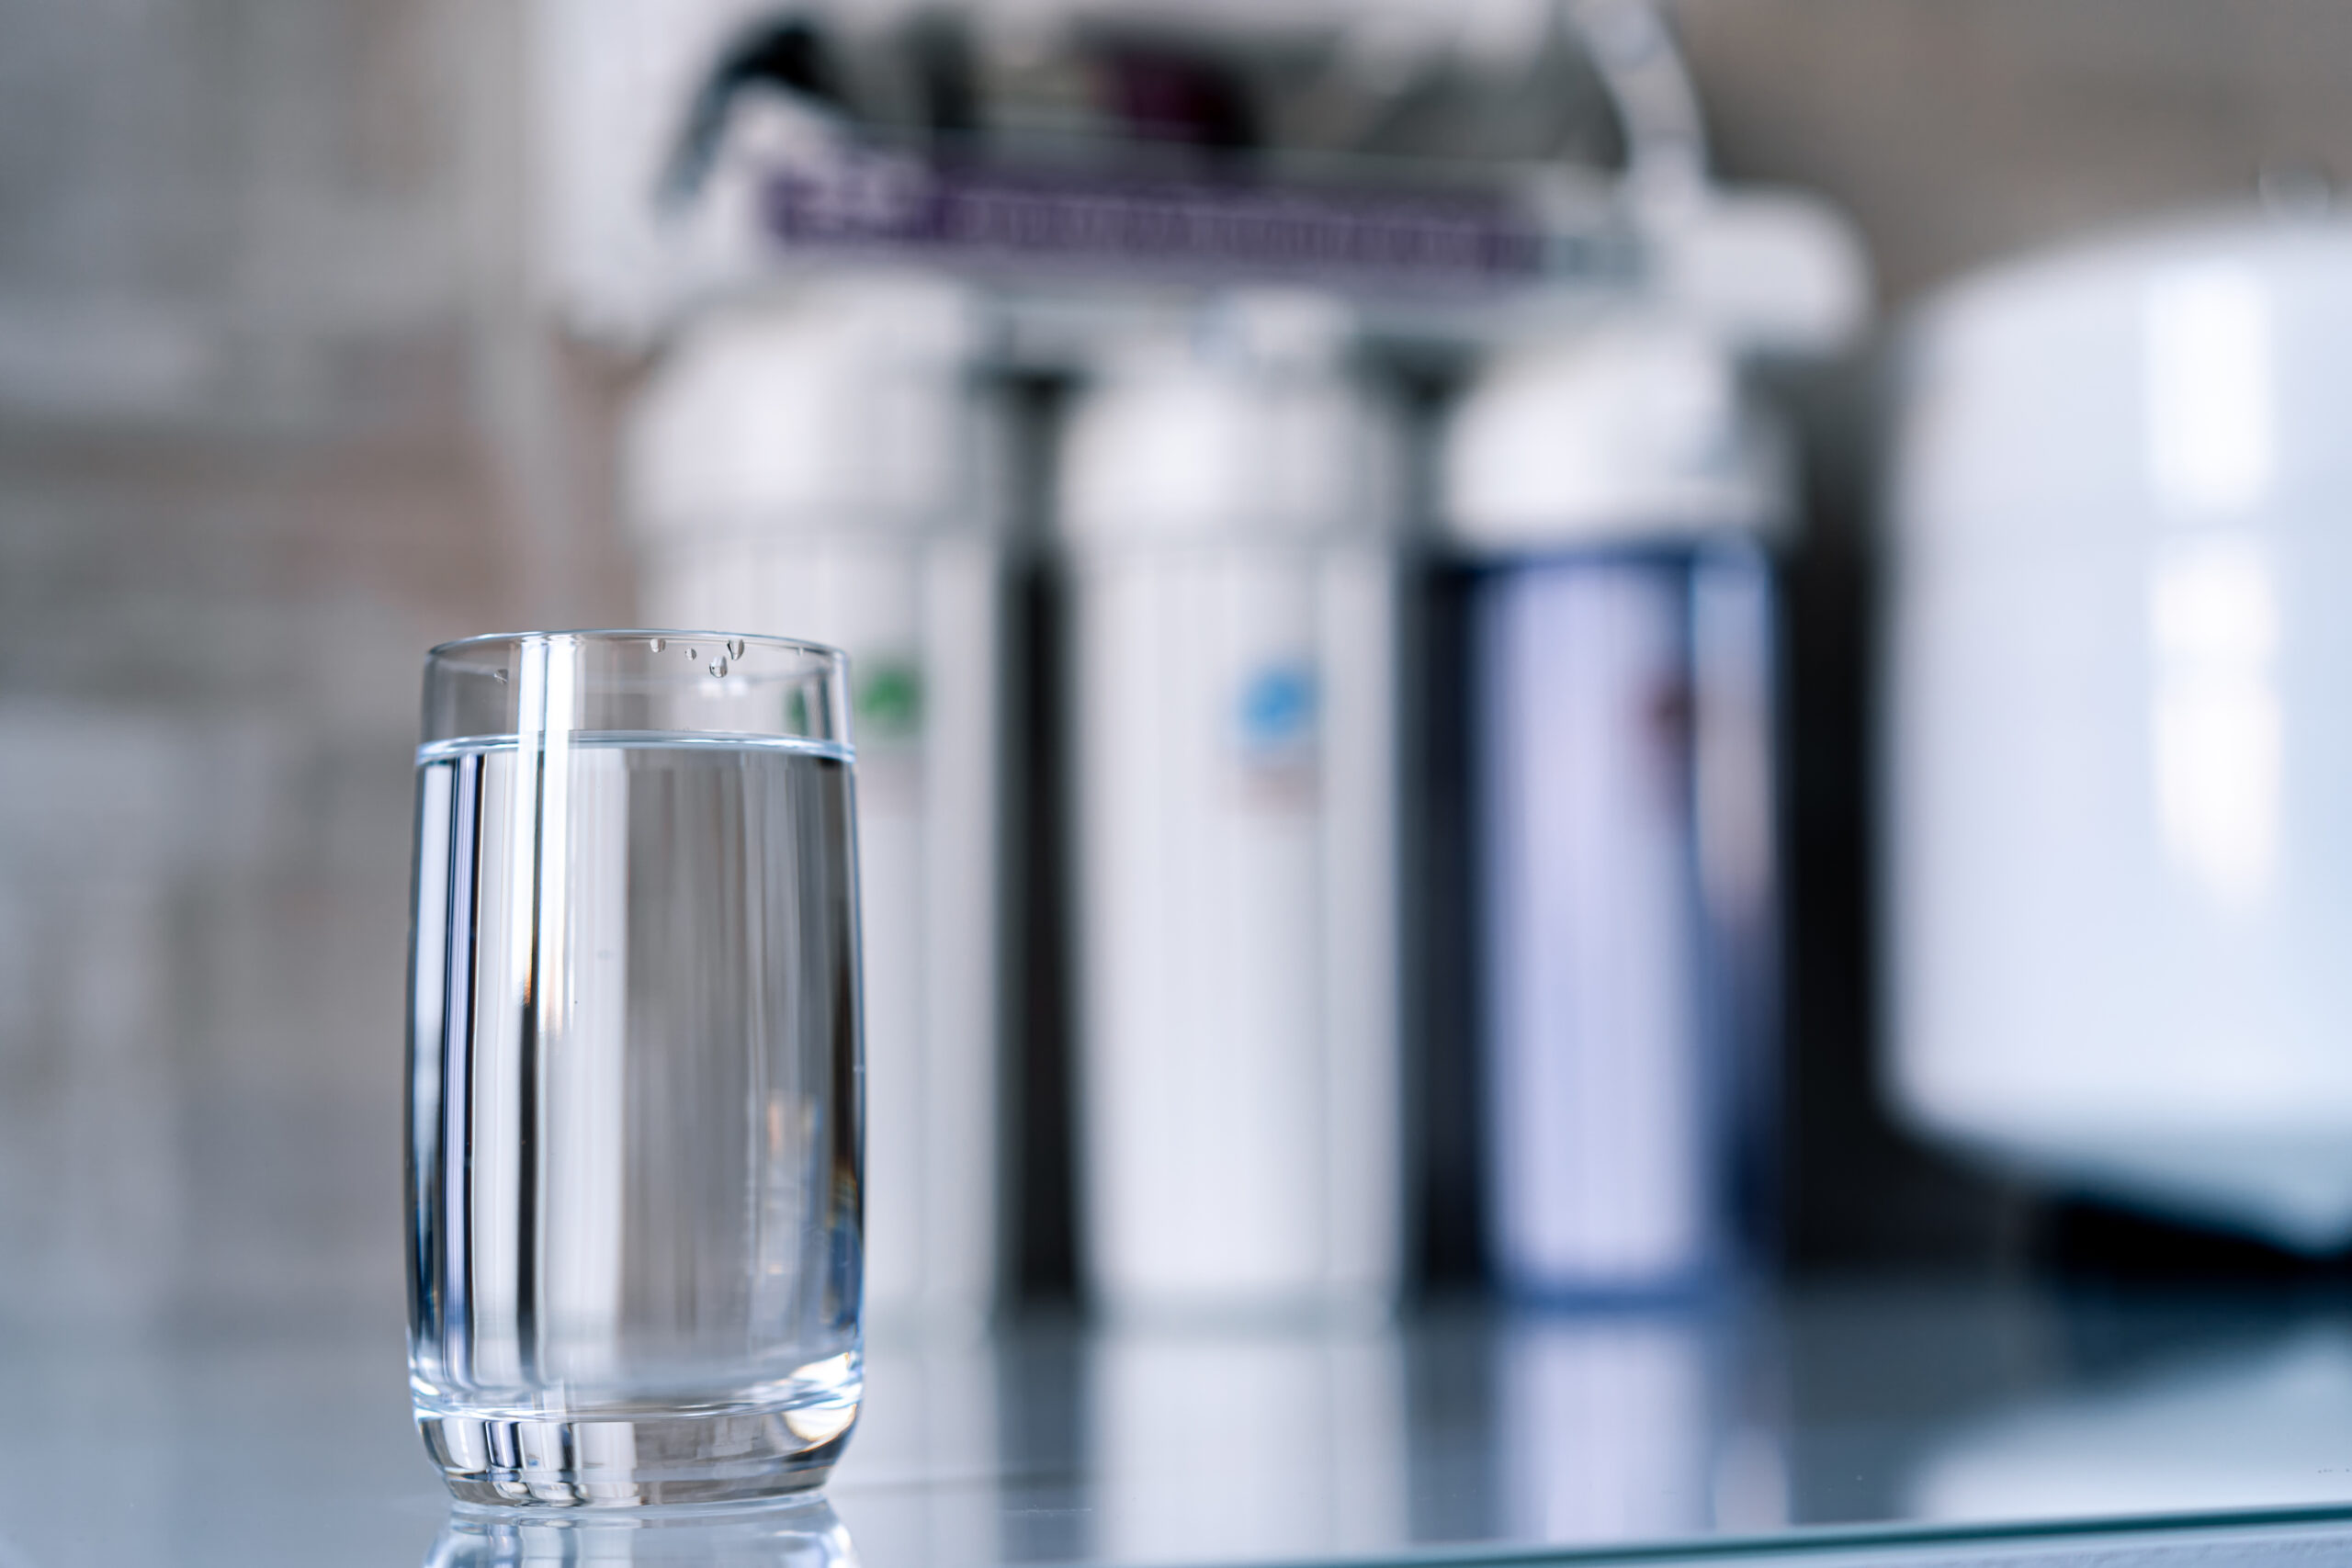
<point>1229,498</point>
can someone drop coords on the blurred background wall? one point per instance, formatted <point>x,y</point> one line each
<point>266,428</point>
<point>276,413</point>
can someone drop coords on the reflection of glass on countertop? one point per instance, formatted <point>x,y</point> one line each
<point>803,1533</point>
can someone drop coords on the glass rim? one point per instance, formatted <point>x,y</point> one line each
<point>636,633</point>
<point>629,680</point>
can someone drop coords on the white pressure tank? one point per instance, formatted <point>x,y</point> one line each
<point>2118,723</point>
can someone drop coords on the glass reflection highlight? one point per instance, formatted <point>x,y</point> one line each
<point>2209,421</point>
<point>2216,725</point>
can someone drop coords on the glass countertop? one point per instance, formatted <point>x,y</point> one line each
<point>1893,1415</point>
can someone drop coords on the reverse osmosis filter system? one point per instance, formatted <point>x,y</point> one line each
<point>2119,740</point>
<point>1230,501</point>
<point>821,462</point>
<point>749,180</point>
<point>1612,489</point>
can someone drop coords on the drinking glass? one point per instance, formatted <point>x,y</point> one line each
<point>635,1066</point>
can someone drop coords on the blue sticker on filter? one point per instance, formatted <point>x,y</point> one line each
<point>1278,707</point>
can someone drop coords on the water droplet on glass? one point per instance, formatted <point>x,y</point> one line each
<point>660,643</point>
<point>719,665</point>
<point>501,674</point>
<point>735,648</point>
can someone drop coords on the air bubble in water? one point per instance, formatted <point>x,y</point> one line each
<point>719,665</point>
<point>692,655</point>
<point>660,643</point>
<point>735,648</point>
<point>500,675</point>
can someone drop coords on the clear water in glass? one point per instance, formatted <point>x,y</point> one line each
<point>633,1135</point>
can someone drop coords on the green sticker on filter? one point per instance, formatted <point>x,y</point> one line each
<point>890,702</point>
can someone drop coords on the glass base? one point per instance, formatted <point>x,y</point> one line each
<point>639,1462</point>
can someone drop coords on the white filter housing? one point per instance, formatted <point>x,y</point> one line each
<point>1612,486</point>
<point>821,465</point>
<point>1229,507</point>
<point>2120,732</point>
<point>1627,431</point>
